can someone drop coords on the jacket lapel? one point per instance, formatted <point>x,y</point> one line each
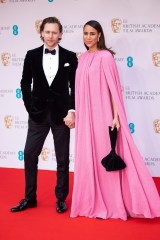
<point>62,59</point>
<point>39,59</point>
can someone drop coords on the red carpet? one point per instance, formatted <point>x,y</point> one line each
<point>44,223</point>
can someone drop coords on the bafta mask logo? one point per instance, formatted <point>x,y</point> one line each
<point>5,57</point>
<point>8,121</point>
<point>3,1</point>
<point>37,25</point>
<point>156,125</point>
<point>116,25</point>
<point>156,59</point>
<point>45,154</point>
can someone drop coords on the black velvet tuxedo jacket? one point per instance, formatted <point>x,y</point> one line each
<point>38,96</point>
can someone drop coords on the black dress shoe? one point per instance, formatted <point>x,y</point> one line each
<point>24,204</point>
<point>61,206</point>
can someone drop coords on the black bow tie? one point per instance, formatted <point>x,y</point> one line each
<point>53,52</point>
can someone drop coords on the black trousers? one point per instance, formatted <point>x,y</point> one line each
<point>37,133</point>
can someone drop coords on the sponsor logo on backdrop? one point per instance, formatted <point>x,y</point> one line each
<point>18,93</point>
<point>20,155</point>
<point>146,95</point>
<point>124,25</point>
<point>37,25</point>
<point>67,28</point>
<point>156,59</point>
<point>20,124</point>
<point>8,121</point>
<point>131,127</point>
<point>116,25</point>
<point>45,153</point>
<point>71,28</point>
<point>21,1</point>
<point>17,61</point>
<point>48,154</point>
<point>4,28</point>
<point>15,122</point>
<point>11,59</point>
<point>15,30</point>
<point>130,61</point>
<point>50,0</point>
<point>119,59</point>
<point>17,1</point>
<point>5,154</point>
<point>5,92</point>
<point>152,161</point>
<point>5,57</point>
<point>156,125</point>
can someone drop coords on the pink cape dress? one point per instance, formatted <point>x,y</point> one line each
<point>97,193</point>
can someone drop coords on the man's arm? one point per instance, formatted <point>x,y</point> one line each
<point>26,82</point>
<point>74,63</point>
<point>70,118</point>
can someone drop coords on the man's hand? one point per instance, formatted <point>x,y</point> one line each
<point>70,120</point>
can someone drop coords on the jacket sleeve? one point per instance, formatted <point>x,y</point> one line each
<point>26,82</point>
<point>74,62</point>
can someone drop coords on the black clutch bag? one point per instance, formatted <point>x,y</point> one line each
<point>113,162</point>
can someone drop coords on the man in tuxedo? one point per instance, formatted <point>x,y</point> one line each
<point>50,70</point>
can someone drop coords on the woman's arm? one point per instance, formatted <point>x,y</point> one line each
<point>115,122</point>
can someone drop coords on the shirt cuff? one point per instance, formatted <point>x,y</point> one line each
<point>71,110</point>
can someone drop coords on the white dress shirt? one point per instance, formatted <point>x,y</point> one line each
<point>50,64</point>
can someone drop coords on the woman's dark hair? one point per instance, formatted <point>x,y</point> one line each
<point>101,43</point>
<point>50,20</point>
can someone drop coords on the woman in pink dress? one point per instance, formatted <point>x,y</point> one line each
<point>99,104</point>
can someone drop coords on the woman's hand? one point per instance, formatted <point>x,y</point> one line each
<point>115,123</point>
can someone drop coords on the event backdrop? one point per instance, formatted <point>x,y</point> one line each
<point>132,29</point>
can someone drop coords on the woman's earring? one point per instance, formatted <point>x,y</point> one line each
<point>98,39</point>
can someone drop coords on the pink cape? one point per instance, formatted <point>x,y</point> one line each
<point>97,193</point>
